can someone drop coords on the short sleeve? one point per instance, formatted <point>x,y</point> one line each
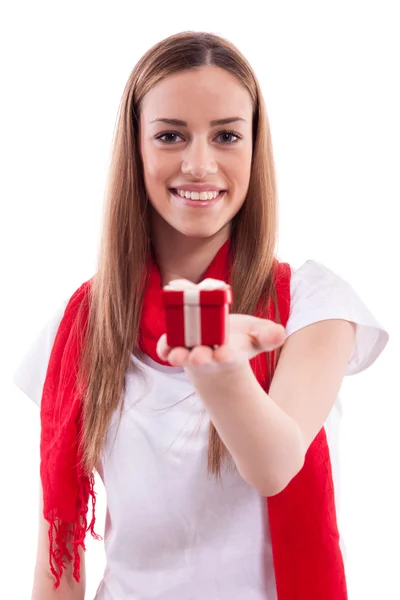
<point>31,372</point>
<point>318,294</point>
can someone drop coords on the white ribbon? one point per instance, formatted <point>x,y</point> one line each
<point>191,307</point>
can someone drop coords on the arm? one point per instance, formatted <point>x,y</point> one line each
<point>43,584</point>
<point>268,435</point>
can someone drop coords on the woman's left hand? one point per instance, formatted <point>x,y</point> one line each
<point>248,336</point>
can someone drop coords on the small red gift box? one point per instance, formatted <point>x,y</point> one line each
<point>197,314</point>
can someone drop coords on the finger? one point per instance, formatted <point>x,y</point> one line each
<point>225,354</point>
<point>178,357</point>
<point>267,336</point>
<point>162,348</point>
<point>201,355</point>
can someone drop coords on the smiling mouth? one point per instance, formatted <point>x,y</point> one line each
<point>200,196</point>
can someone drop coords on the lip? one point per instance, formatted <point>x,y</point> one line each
<point>198,187</point>
<point>197,203</point>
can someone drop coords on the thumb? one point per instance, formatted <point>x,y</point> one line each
<point>267,336</point>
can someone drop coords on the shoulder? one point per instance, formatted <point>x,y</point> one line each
<point>79,297</point>
<point>317,293</point>
<point>31,371</point>
<point>318,290</point>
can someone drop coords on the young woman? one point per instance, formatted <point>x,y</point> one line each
<point>219,463</point>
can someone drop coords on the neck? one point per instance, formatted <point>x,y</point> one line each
<point>183,257</point>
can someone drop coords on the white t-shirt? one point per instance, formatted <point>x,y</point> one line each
<point>172,532</point>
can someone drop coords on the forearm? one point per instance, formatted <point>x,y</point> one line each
<point>43,588</point>
<point>264,442</point>
<point>69,588</point>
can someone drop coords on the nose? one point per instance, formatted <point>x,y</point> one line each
<point>198,159</point>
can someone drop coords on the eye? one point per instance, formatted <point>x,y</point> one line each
<point>169,137</point>
<point>228,137</point>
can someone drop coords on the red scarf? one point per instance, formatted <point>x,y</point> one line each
<point>305,540</point>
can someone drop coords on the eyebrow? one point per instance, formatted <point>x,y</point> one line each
<point>179,123</point>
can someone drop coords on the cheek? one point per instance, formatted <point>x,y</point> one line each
<point>151,166</point>
<point>157,166</point>
<point>238,167</point>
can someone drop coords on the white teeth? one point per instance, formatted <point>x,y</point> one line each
<point>197,195</point>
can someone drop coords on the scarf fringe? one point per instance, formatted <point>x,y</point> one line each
<point>63,534</point>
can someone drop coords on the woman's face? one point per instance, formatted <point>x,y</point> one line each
<point>196,146</point>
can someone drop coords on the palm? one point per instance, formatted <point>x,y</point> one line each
<point>248,336</point>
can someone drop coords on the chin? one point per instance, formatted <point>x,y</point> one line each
<point>198,232</point>
<point>204,230</point>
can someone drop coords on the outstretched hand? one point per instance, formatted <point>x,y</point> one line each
<point>248,336</point>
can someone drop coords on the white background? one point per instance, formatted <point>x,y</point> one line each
<point>330,76</point>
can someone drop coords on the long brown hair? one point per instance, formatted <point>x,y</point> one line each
<point>118,287</point>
